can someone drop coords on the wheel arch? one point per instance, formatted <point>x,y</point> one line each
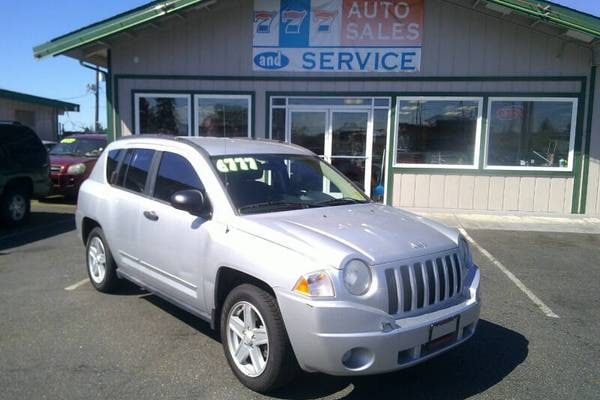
<point>87,225</point>
<point>226,280</point>
<point>20,182</point>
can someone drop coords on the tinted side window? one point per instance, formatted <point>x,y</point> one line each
<point>112,162</point>
<point>135,169</point>
<point>175,173</point>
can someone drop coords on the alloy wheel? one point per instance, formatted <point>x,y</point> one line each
<point>17,207</point>
<point>97,259</point>
<point>248,339</point>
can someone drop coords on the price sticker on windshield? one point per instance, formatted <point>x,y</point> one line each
<point>233,164</point>
<point>68,140</point>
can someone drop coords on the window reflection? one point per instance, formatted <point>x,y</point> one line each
<point>437,131</point>
<point>223,117</point>
<point>530,133</point>
<point>164,115</point>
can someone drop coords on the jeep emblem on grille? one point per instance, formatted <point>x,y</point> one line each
<point>418,245</point>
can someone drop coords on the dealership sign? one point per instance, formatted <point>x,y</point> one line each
<point>337,35</point>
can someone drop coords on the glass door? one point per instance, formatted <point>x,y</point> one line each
<point>341,136</point>
<point>349,145</point>
<point>308,129</point>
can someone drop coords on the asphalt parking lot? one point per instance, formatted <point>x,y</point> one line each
<point>78,343</point>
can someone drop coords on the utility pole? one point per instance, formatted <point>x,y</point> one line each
<point>96,89</point>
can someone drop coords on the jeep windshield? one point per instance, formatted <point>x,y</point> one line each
<point>78,147</point>
<point>261,183</point>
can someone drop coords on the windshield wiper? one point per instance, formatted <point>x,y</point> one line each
<point>339,202</point>
<point>273,205</point>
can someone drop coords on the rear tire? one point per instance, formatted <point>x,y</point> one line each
<point>15,206</point>
<point>101,267</point>
<point>252,328</point>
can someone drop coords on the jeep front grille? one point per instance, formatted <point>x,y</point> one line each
<point>424,283</point>
<point>55,168</point>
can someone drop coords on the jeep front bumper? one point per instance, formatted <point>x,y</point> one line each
<point>344,338</point>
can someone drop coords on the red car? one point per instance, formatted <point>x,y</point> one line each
<point>72,160</point>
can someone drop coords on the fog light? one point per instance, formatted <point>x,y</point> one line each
<point>358,358</point>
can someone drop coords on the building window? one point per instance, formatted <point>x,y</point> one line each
<point>531,133</point>
<point>162,113</point>
<point>223,115</point>
<point>438,132</point>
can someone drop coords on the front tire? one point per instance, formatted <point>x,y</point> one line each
<point>101,267</point>
<point>255,340</point>
<point>15,207</point>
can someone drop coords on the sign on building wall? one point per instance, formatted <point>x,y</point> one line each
<point>337,35</point>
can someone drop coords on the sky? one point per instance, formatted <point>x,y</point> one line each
<point>27,23</point>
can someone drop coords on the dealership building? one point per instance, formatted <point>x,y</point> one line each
<point>481,105</point>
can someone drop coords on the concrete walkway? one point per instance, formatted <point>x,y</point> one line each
<point>512,222</point>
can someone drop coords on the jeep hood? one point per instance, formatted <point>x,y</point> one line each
<point>332,235</point>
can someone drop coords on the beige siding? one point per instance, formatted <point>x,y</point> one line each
<point>486,193</point>
<point>541,195</point>
<point>466,192</point>
<point>46,118</point>
<point>481,192</point>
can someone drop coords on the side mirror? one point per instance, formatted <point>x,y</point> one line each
<point>192,201</point>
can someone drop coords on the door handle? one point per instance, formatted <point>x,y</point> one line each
<point>151,215</point>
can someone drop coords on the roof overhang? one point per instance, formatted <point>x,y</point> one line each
<point>576,24</point>
<point>31,99</point>
<point>87,43</point>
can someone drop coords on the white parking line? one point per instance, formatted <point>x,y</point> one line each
<point>77,284</point>
<point>536,300</point>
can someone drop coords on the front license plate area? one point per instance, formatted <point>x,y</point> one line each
<point>442,333</point>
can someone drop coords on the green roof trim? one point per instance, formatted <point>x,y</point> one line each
<point>555,13</point>
<point>110,26</point>
<point>28,98</point>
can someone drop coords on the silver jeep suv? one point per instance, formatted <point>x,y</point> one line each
<point>280,252</point>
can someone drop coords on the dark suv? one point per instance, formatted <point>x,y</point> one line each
<point>24,171</point>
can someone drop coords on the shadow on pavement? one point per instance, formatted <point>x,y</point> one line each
<point>42,225</point>
<point>492,354</point>
<point>477,365</point>
<point>189,319</point>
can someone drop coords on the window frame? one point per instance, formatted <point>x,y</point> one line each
<point>572,136</point>
<point>136,107</point>
<point>478,133</point>
<point>196,108</point>
<point>120,165</point>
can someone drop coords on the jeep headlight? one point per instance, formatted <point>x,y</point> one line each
<point>315,284</point>
<point>464,253</point>
<point>357,277</point>
<point>76,169</point>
